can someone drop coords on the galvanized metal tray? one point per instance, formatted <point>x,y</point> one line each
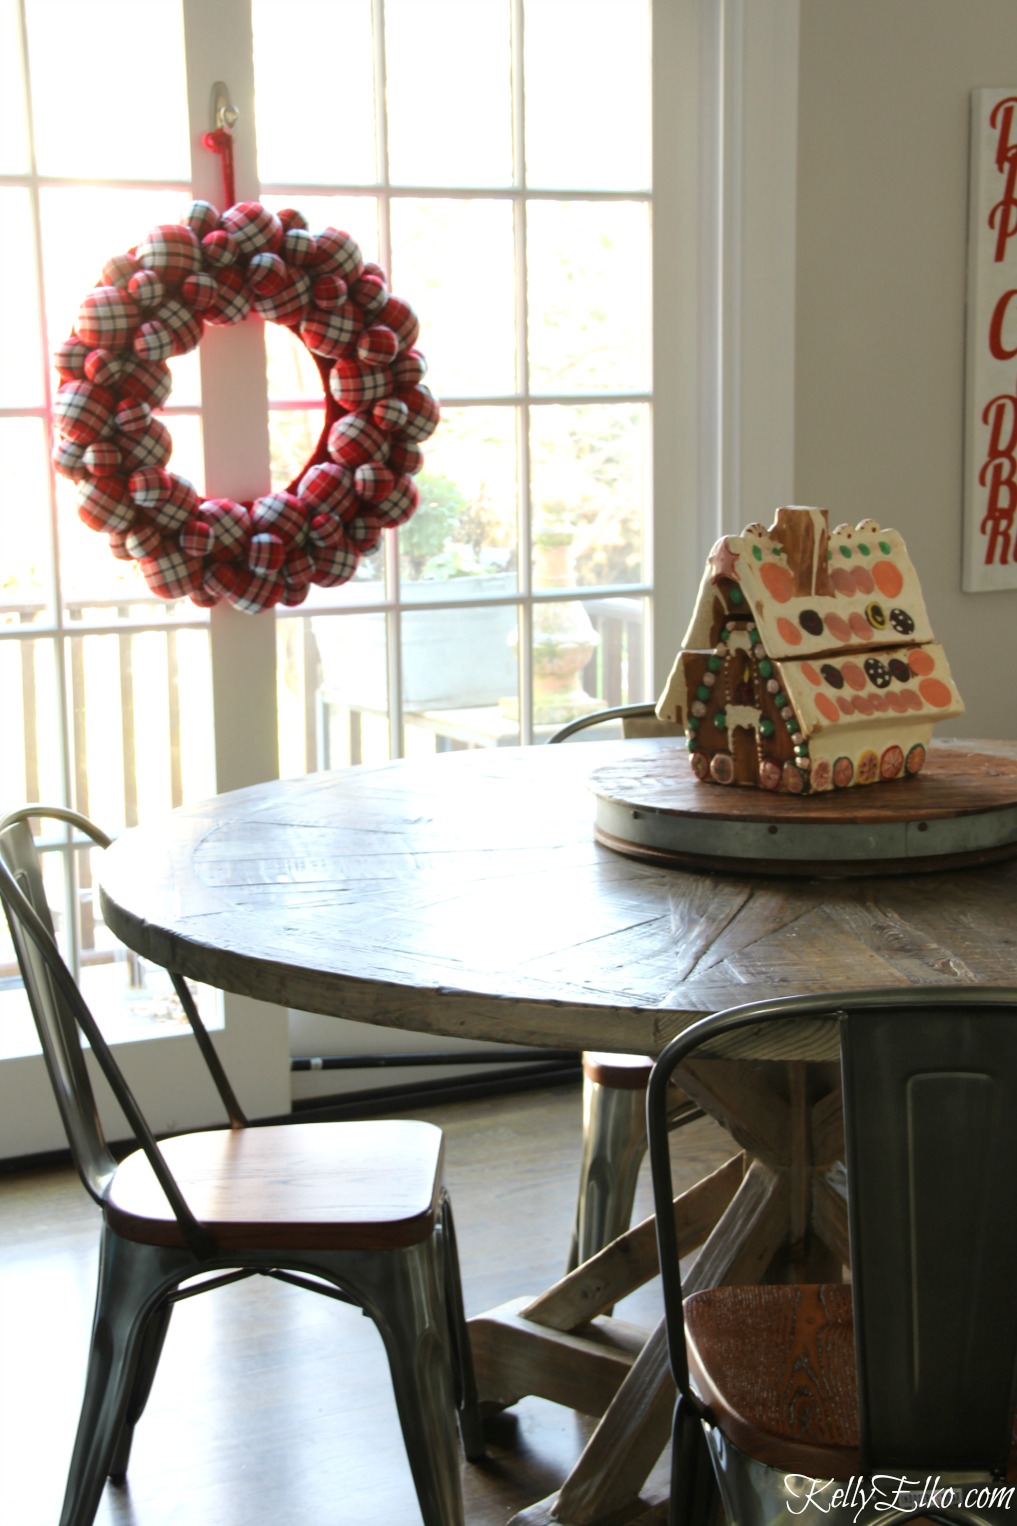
<point>961,809</point>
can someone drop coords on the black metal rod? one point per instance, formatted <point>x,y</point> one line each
<point>454,1057</point>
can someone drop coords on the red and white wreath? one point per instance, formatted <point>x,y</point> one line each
<point>154,302</point>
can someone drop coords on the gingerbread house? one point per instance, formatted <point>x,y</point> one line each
<point>809,663</point>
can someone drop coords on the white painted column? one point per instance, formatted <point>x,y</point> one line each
<point>236,451</point>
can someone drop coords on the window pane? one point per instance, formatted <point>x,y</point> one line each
<point>314,81</point>
<point>353,697</point>
<point>588,285</point>
<point>21,377</point>
<point>590,470</point>
<point>456,658</point>
<point>25,568</point>
<point>293,434</point>
<point>617,673</point>
<point>453,261</point>
<point>14,147</point>
<point>109,91</point>
<point>30,759</point>
<point>449,79</point>
<point>587,66</point>
<point>292,373</point>
<point>465,528</point>
<point>140,702</point>
<point>564,646</point>
<point>586,655</point>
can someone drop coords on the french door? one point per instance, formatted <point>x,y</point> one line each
<point>569,265</point>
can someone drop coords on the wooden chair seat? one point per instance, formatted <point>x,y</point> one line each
<point>775,1366</point>
<point>312,1186</point>
<point>626,1072</point>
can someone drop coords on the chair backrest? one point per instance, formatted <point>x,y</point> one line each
<point>55,1018</point>
<point>62,1019</point>
<point>930,1125</point>
<point>636,721</point>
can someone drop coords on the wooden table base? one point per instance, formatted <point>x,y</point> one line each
<point>779,1200</point>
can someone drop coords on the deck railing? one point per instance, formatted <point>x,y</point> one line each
<point>135,687</point>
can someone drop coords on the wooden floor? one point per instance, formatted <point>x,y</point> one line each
<point>274,1406</point>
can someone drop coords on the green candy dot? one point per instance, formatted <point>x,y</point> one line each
<point>703,693</point>
<point>720,720</point>
<point>845,550</point>
<point>736,596</point>
<point>691,744</point>
<point>693,723</point>
<point>885,547</point>
<point>780,700</point>
<point>864,549</point>
<point>757,553</point>
<point>766,668</point>
<point>766,727</point>
<point>725,634</point>
<point>714,664</point>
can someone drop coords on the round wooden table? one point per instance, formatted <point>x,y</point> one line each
<point>467,895</point>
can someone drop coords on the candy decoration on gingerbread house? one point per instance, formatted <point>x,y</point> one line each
<point>809,662</point>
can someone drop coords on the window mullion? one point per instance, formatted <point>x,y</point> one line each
<point>525,528</point>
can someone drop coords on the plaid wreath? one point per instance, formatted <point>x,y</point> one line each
<point>152,303</point>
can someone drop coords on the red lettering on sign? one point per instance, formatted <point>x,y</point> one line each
<point>998,475</point>
<point>997,348</point>
<point>1003,216</point>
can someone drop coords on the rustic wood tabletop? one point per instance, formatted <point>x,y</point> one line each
<point>467,895</point>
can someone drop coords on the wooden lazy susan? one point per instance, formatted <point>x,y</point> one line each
<point>960,810</point>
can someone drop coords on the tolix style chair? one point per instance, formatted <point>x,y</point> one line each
<point>356,1211</point>
<point>614,1085</point>
<point>819,1399</point>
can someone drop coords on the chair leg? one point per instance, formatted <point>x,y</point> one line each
<point>132,1280</point>
<point>148,1361</point>
<point>471,1431</point>
<point>404,1293</point>
<point>614,1143</point>
<point>693,1484</point>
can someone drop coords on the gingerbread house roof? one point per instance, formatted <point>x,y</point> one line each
<point>811,591</point>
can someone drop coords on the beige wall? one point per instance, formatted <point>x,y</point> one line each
<point>881,277</point>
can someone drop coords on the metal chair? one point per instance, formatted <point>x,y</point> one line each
<point>614,1085</point>
<point>896,1391</point>
<point>357,1211</point>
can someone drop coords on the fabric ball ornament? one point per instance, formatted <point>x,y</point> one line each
<point>119,270</point>
<point>354,440</point>
<point>173,252</point>
<point>232,300</point>
<point>356,385</point>
<point>331,331</point>
<point>202,218</point>
<point>104,368</point>
<point>151,304</point>
<point>83,411</point>
<point>253,228</point>
<point>107,318</point>
<point>146,381</point>
<point>101,459</point>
